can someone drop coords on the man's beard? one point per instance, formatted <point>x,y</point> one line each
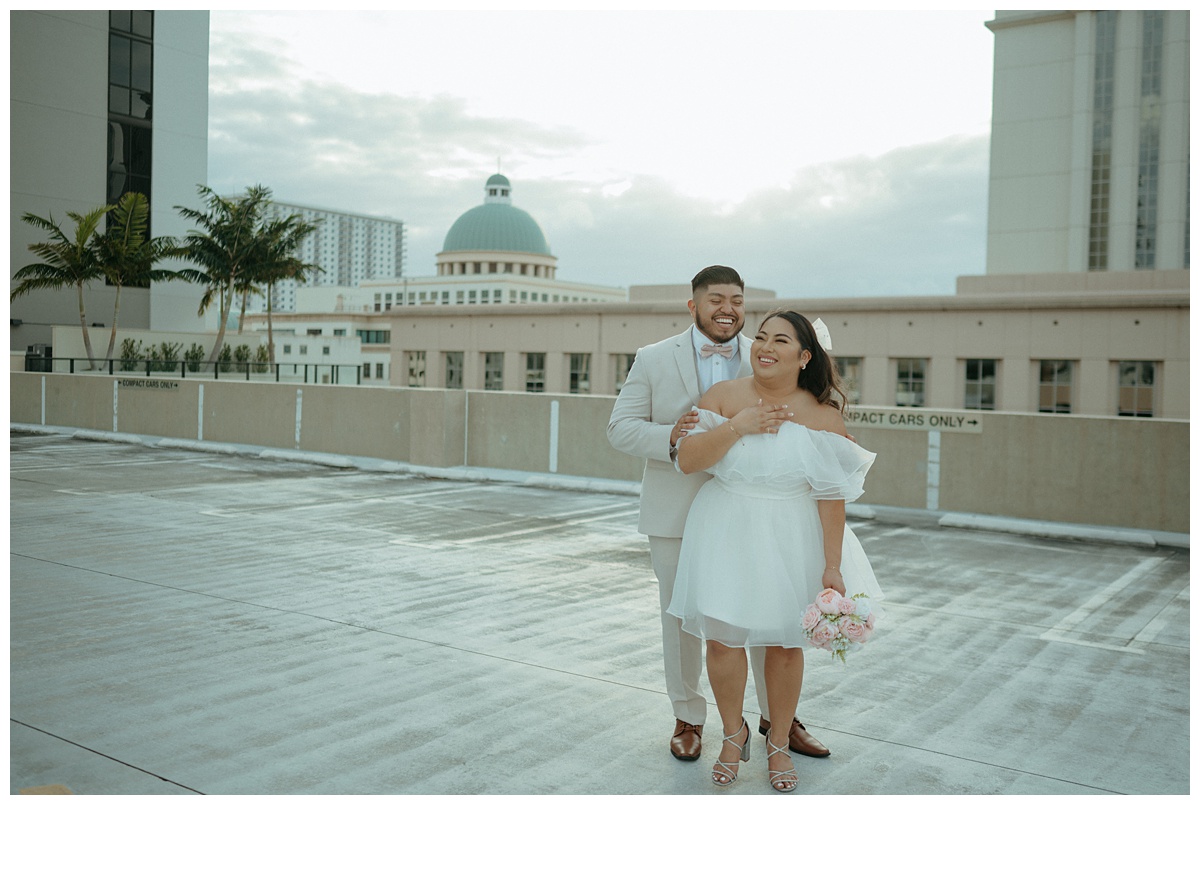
<point>716,333</point>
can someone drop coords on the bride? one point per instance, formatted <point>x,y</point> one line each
<point>768,532</point>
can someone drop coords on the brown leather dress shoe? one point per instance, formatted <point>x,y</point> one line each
<point>685,743</point>
<point>799,740</point>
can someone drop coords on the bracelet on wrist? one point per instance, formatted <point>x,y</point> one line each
<point>735,430</point>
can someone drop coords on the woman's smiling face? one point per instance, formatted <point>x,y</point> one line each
<point>776,352</point>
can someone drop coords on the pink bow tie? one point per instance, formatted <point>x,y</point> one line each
<point>723,349</point>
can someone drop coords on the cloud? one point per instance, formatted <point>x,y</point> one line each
<point>906,222</point>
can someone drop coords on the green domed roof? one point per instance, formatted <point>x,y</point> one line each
<point>496,226</point>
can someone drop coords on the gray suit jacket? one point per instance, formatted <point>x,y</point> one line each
<point>663,384</point>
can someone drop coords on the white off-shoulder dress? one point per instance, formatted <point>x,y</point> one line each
<point>753,555</point>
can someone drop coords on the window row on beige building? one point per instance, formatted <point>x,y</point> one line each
<point>1126,387</point>
<point>1023,344</point>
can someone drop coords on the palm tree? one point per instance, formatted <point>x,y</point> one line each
<point>127,258</point>
<point>279,239</point>
<point>224,249</point>
<point>66,261</point>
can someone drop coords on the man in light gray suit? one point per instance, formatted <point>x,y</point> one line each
<point>656,407</point>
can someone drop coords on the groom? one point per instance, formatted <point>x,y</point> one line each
<point>655,408</point>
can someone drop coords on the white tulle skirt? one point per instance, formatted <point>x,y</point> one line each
<point>752,560</point>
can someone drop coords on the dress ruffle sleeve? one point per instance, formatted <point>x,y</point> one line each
<point>707,421</point>
<point>834,466</point>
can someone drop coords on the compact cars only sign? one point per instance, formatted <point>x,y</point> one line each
<point>914,419</point>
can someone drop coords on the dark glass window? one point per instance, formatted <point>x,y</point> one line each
<point>130,93</point>
<point>581,373</point>
<point>1135,389</point>
<point>1102,116</point>
<point>493,371</point>
<point>1054,387</point>
<point>535,372</point>
<point>980,392</point>
<point>910,382</point>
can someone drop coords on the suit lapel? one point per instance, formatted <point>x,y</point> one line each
<point>685,361</point>
<point>743,357</point>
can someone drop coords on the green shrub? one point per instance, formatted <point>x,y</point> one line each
<point>262,358</point>
<point>169,357</point>
<point>194,356</point>
<point>131,354</point>
<point>225,360</point>
<point>241,356</point>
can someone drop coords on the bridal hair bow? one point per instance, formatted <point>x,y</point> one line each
<point>822,331</point>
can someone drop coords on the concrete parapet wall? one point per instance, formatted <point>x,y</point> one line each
<point>1125,472</point>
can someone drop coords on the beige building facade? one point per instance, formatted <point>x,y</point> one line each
<point>1090,141</point>
<point>1091,344</point>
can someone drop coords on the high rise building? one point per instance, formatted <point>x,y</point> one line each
<point>102,103</point>
<point>1090,141</point>
<point>349,248</point>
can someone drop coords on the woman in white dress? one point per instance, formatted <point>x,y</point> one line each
<point>768,532</point>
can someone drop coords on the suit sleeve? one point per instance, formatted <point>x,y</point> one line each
<point>630,428</point>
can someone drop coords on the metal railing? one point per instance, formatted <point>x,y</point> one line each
<point>249,370</point>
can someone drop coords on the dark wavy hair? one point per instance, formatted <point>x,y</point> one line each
<point>715,275</point>
<point>820,377</point>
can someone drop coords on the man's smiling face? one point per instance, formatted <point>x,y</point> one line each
<point>719,311</point>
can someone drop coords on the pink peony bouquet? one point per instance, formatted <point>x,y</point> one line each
<point>839,623</point>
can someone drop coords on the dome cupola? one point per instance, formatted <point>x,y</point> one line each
<point>496,235</point>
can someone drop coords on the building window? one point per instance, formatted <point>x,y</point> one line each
<point>454,369</point>
<point>303,349</point>
<point>535,372</point>
<point>624,362</point>
<point>980,385</point>
<point>849,369</point>
<point>325,350</point>
<point>581,373</point>
<point>1102,117</point>
<point>130,97</point>
<point>1054,387</point>
<point>366,370</point>
<point>1135,389</point>
<point>375,336</point>
<point>287,348</point>
<point>910,382</point>
<point>313,331</point>
<point>379,370</point>
<point>339,333</point>
<point>416,368</point>
<point>1148,139</point>
<point>493,371</point>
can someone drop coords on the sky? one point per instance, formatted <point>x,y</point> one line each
<point>822,154</point>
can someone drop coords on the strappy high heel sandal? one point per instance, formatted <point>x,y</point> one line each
<point>722,774</point>
<point>781,781</point>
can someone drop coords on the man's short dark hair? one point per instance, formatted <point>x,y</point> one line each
<point>716,275</point>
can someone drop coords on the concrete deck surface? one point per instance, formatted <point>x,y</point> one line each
<point>186,621</point>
